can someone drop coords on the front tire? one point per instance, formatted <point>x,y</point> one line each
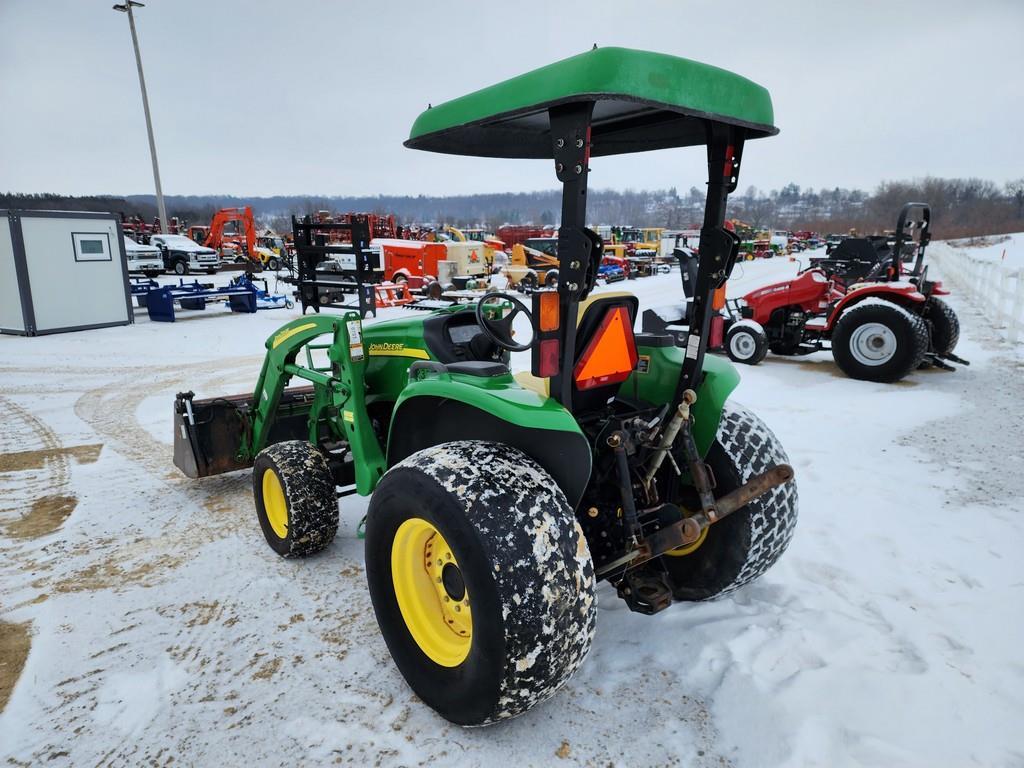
<point>746,343</point>
<point>484,526</point>
<point>180,268</point>
<point>740,548</point>
<point>879,341</point>
<point>295,500</point>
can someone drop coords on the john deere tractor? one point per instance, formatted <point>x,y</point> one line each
<point>497,502</point>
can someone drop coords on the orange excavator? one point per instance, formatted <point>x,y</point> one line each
<point>244,238</point>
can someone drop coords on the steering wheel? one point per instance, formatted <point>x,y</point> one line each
<point>500,330</point>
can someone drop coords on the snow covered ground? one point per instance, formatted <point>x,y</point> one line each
<point>160,628</point>
<point>1007,250</point>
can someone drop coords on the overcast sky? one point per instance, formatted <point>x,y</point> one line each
<point>252,97</point>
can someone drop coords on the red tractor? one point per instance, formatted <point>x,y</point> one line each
<point>879,329</point>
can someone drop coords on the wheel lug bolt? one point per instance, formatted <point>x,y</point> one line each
<point>458,607</point>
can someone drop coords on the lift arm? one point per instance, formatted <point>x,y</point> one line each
<point>339,403</point>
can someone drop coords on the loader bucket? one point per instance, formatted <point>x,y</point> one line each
<point>212,436</point>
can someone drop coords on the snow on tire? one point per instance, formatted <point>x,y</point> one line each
<point>523,563</point>
<point>740,548</point>
<point>295,500</point>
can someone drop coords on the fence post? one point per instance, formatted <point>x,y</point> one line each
<point>1018,309</point>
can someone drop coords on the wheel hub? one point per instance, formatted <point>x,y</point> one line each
<point>873,344</point>
<point>431,592</point>
<point>274,504</point>
<point>743,345</point>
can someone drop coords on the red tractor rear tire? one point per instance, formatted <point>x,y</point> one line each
<point>880,341</point>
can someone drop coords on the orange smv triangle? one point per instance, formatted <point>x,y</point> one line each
<point>611,354</point>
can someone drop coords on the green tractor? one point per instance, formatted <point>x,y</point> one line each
<point>497,502</point>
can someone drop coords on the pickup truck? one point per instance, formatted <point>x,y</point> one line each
<point>146,259</point>
<point>182,255</point>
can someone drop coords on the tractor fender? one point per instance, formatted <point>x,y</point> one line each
<point>401,271</point>
<point>445,407</point>
<point>903,293</point>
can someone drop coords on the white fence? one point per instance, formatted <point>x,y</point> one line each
<point>998,290</point>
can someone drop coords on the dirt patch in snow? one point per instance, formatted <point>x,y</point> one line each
<point>46,515</point>
<point>22,460</point>
<point>15,642</point>
<point>109,574</point>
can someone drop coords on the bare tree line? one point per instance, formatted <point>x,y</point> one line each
<point>960,207</point>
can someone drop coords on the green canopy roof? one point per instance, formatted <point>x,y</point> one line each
<point>643,101</point>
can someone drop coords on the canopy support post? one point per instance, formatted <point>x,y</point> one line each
<point>570,141</point>
<point>718,249</point>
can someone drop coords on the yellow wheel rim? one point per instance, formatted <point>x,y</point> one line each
<point>689,548</point>
<point>274,505</point>
<point>431,593</point>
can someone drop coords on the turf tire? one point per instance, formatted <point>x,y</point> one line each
<point>740,548</point>
<point>909,329</point>
<point>945,325</point>
<point>525,565</point>
<point>309,495</point>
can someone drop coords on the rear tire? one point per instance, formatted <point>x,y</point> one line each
<point>740,548</point>
<point>295,501</point>
<point>879,341</point>
<point>746,344</point>
<point>945,325</point>
<point>522,572</point>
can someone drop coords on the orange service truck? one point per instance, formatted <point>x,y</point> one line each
<point>418,262</point>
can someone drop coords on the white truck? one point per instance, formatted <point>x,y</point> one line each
<point>145,259</point>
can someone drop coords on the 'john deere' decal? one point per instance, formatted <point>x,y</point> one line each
<point>391,349</point>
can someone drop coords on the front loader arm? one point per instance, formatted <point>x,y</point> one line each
<point>339,390</point>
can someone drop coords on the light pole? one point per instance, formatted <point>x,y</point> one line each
<point>161,210</point>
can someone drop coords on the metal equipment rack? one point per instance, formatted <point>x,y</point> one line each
<point>318,289</point>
